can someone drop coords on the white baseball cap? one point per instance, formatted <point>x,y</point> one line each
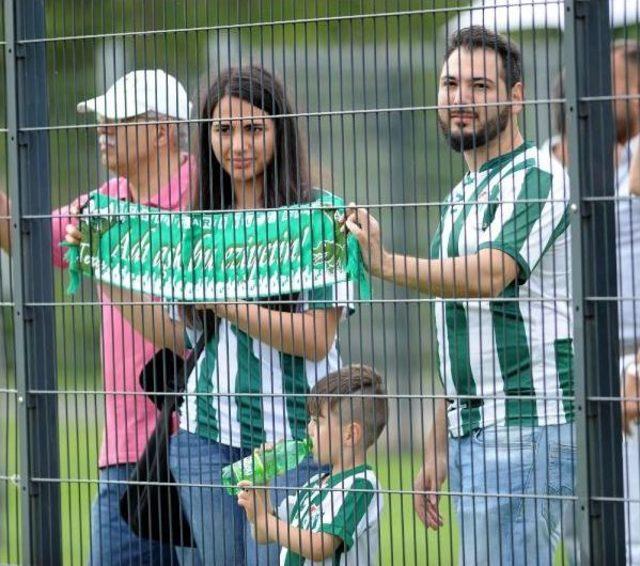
<point>139,92</point>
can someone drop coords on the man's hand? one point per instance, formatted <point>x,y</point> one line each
<point>430,478</point>
<point>367,230</point>
<point>630,390</point>
<point>72,234</point>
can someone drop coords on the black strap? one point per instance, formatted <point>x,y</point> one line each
<point>209,328</point>
<point>167,372</point>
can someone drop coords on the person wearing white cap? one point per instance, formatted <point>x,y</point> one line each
<point>146,154</point>
<point>142,126</point>
<point>138,93</point>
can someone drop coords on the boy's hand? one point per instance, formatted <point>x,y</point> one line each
<point>255,502</point>
<point>247,501</point>
<point>257,505</point>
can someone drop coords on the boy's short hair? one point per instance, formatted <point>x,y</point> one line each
<point>355,393</point>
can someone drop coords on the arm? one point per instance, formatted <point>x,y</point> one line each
<point>434,470</point>
<point>268,528</point>
<point>634,173</point>
<point>484,274</point>
<point>149,318</point>
<point>308,335</point>
<point>5,224</point>
<point>311,545</point>
<point>631,390</point>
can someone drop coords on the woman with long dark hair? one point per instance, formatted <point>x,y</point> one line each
<point>262,358</point>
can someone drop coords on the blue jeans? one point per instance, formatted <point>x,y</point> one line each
<point>112,541</point>
<point>505,483</point>
<point>218,524</point>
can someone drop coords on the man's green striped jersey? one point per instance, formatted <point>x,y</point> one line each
<point>243,392</point>
<point>346,505</point>
<point>509,360</point>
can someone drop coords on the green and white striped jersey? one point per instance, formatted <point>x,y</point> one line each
<point>243,392</point>
<point>346,505</point>
<point>508,361</point>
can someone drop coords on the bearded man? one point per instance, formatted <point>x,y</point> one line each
<point>503,431</point>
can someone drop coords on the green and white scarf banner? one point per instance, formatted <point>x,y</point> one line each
<point>216,256</point>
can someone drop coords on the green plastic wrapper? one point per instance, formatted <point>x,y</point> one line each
<point>262,466</point>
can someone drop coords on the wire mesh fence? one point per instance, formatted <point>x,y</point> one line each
<point>383,254</point>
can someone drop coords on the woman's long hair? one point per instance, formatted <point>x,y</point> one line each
<point>285,176</point>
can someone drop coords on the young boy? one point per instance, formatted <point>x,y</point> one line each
<point>333,519</point>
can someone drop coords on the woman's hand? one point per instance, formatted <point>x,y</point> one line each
<point>367,230</point>
<point>222,310</point>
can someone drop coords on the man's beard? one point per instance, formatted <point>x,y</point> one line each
<point>491,130</point>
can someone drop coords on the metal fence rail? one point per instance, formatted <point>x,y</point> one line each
<point>503,324</point>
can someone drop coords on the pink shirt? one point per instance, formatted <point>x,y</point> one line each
<point>129,419</point>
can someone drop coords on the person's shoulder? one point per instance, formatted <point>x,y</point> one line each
<point>318,192</point>
<point>325,196</point>
<point>360,479</point>
<point>544,165</point>
<point>540,158</point>
<point>311,482</point>
<point>300,495</point>
<point>114,187</point>
<point>457,191</point>
<point>523,163</point>
<point>367,478</point>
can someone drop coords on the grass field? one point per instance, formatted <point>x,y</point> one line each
<point>404,540</point>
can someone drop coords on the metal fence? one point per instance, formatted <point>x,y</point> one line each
<point>536,466</point>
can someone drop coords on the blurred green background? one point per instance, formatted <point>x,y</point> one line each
<point>366,72</point>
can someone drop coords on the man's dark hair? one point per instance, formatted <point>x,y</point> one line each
<point>353,394</point>
<point>478,37</point>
